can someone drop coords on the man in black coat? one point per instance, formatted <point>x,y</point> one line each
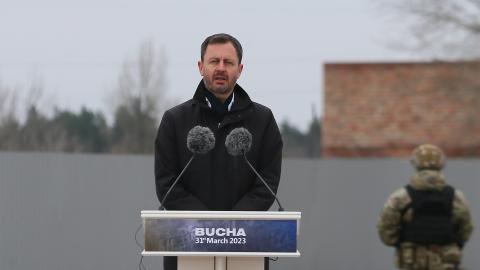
<point>217,181</point>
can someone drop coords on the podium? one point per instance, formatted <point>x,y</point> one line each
<point>221,240</point>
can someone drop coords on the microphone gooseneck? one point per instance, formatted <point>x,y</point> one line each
<point>200,140</point>
<point>280,208</point>
<point>162,204</point>
<point>238,142</point>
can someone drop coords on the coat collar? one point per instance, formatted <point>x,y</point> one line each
<point>242,100</point>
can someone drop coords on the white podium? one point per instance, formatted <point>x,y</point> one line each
<point>221,240</point>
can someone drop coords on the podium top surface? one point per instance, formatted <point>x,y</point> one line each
<point>221,214</point>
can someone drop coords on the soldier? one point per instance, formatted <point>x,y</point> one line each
<point>427,221</point>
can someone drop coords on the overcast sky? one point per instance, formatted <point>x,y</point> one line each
<point>76,47</point>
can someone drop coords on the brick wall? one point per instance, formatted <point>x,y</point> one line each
<point>386,109</point>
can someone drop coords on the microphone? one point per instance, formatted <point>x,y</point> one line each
<point>239,142</point>
<point>200,140</point>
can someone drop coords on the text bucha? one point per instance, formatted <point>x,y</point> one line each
<point>229,232</point>
<point>232,236</point>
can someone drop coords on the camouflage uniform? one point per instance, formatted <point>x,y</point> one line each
<point>428,160</point>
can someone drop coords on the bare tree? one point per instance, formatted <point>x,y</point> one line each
<point>8,103</point>
<point>9,126</point>
<point>141,98</point>
<point>448,29</point>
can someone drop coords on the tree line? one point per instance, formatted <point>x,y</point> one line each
<point>86,131</point>
<point>132,131</point>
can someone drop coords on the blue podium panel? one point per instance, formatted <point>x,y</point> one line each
<point>205,232</point>
<point>221,235</point>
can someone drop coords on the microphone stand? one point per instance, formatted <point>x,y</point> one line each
<point>162,206</point>
<point>280,208</point>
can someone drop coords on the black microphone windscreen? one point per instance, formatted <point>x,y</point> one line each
<point>238,141</point>
<point>200,140</point>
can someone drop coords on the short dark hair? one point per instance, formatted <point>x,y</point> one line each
<point>222,38</point>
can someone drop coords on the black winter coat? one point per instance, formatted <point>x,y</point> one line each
<point>218,181</point>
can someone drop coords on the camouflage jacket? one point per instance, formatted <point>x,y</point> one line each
<point>410,255</point>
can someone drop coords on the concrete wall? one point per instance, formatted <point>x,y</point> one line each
<point>79,212</point>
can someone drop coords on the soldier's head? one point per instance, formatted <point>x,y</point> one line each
<point>428,157</point>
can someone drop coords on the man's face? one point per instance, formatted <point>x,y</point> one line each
<point>220,69</point>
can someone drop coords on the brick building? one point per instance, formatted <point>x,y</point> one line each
<point>386,109</point>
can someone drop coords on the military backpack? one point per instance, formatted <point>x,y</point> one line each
<point>431,222</point>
